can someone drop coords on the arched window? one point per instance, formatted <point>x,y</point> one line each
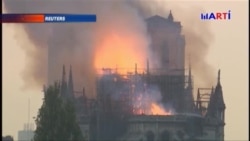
<point>165,136</point>
<point>140,139</point>
<point>180,134</point>
<point>150,136</point>
<point>165,53</point>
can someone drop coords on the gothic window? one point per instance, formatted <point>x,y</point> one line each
<point>150,136</point>
<point>165,53</point>
<point>140,139</point>
<point>165,136</point>
<point>180,134</point>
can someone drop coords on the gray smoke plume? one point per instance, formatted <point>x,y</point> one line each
<point>78,44</point>
<point>198,36</point>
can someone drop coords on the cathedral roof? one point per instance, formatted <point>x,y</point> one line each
<point>156,19</point>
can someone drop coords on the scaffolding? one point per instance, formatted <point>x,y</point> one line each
<point>203,99</point>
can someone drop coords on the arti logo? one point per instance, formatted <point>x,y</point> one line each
<point>216,16</point>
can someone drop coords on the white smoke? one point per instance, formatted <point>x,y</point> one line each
<point>76,44</point>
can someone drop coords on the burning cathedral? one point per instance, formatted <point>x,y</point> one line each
<point>151,104</point>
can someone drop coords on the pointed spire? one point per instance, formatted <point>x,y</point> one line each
<point>189,64</point>
<point>198,95</point>
<point>218,81</point>
<point>219,94</point>
<point>189,98</point>
<point>189,77</point>
<point>216,105</point>
<point>198,101</point>
<point>147,67</point>
<point>63,83</point>
<point>135,68</point>
<point>63,74</point>
<point>189,74</point>
<point>170,16</point>
<point>70,83</point>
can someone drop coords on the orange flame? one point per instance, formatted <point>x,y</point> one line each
<point>118,51</point>
<point>158,110</point>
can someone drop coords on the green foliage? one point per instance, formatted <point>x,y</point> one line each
<point>56,120</point>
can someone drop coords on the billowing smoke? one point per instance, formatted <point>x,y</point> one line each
<point>198,35</point>
<point>120,28</point>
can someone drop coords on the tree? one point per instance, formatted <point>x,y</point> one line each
<point>56,120</point>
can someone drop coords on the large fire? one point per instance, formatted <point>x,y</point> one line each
<point>118,51</point>
<point>122,52</point>
<point>153,109</point>
<point>158,110</point>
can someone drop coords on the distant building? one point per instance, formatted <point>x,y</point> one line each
<point>26,134</point>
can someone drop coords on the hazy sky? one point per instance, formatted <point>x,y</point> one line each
<point>228,51</point>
